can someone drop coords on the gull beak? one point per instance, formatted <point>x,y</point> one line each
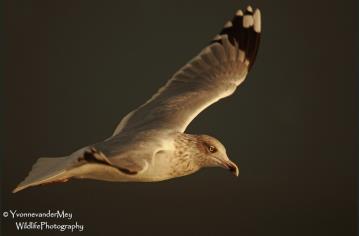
<point>229,165</point>
<point>232,167</point>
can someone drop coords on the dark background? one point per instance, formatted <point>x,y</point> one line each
<point>74,68</point>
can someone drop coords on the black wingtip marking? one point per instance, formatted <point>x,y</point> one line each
<point>246,38</point>
<point>248,11</point>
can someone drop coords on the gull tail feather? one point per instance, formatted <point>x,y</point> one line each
<point>46,170</point>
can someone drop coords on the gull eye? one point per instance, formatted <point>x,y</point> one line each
<point>212,149</point>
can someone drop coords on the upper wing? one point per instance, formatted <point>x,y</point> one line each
<point>214,74</point>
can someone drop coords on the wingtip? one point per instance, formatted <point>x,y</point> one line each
<point>251,18</point>
<point>239,12</point>
<point>249,9</point>
<point>243,31</point>
<point>257,21</point>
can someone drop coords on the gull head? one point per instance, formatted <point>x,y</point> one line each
<point>213,154</point>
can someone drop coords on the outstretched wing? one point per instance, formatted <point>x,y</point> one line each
<point>214,74</point>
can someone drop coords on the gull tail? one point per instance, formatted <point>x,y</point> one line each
<point>46,170</point>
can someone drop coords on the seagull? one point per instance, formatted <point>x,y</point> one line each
<point>150,144</point>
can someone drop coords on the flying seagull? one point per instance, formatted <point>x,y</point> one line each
<point>149,143</point>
